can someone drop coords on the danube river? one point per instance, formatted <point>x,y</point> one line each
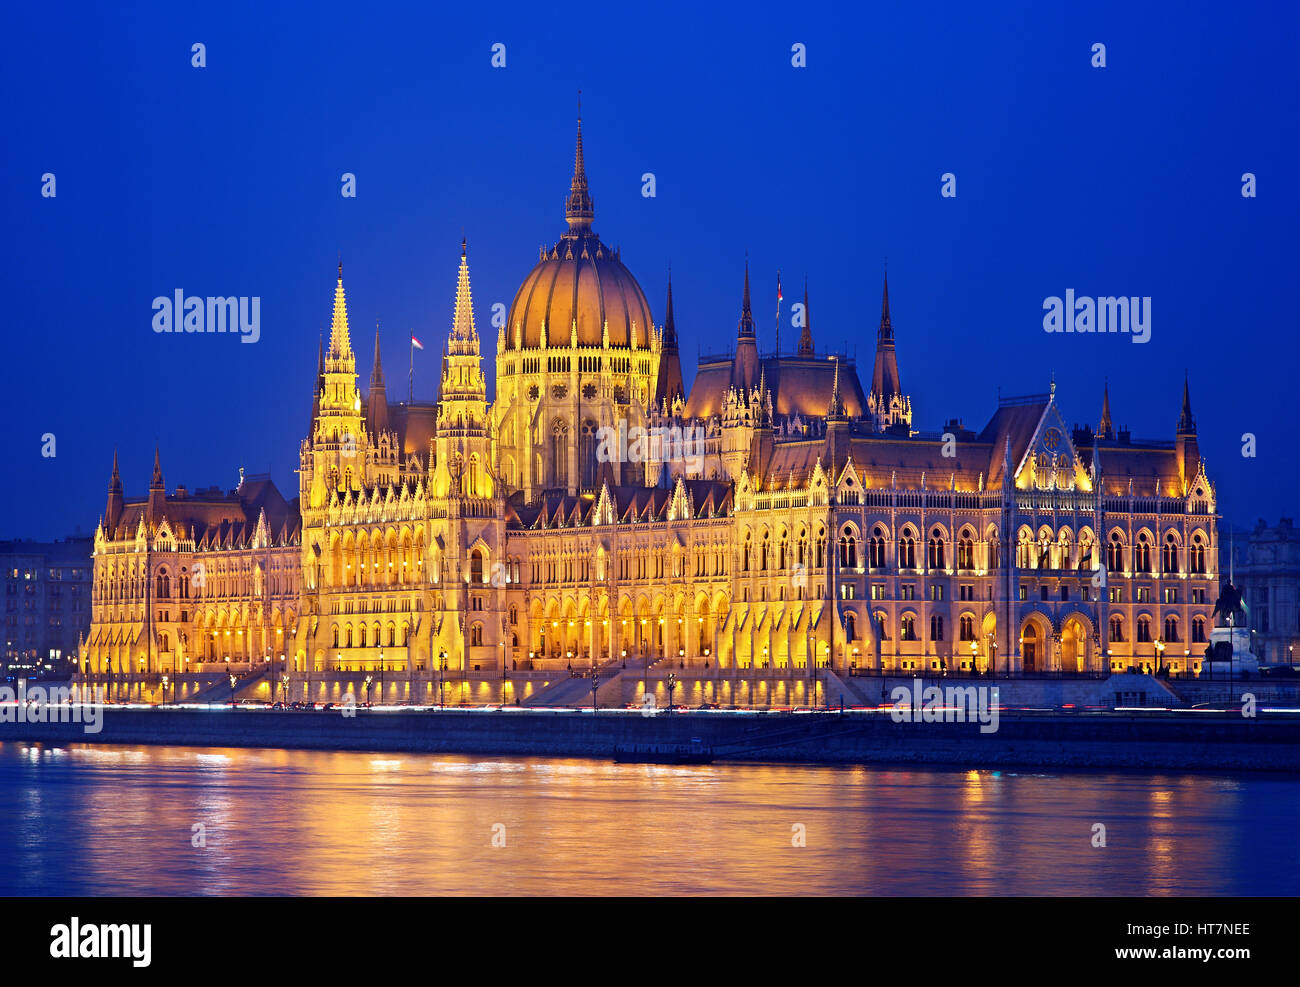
<point>128,820</point>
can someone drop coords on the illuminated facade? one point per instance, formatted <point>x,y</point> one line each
<point>812,523</point>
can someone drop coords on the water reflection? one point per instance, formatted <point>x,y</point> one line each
<point>125,820</point>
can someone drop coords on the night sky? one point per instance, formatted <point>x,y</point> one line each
<point>225,180</point>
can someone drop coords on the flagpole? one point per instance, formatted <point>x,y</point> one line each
<point>410,378</point>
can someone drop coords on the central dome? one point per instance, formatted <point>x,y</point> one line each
<point>579,281</point>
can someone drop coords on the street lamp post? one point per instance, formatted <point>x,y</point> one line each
<point>369,679</point>
<point>672,684</point>
<point>233,679</point>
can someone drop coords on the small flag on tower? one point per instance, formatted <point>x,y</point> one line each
<point>416,343</point>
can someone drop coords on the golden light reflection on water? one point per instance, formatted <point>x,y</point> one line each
<point>105,820</point>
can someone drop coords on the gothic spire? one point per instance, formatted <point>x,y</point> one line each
<point>886,327</point>
<point>377,371</point>
<point>579,210</point>
<point>670,327</point>
<point>157,482</point>
<point>1106,427</point>
<point>1186,423</point>
<point>462,326</point>
<point>746,316</point>
<point>115,482</point>
<point>805,334</point>
<point>340,340</point>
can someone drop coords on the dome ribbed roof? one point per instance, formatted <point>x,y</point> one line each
<point>579,280</point>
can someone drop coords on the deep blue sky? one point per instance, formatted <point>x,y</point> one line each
<point>225,180</point>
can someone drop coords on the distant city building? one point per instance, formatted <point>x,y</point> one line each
<point>785,516</point>
<point>46,603</point>
<point>1268,575</point>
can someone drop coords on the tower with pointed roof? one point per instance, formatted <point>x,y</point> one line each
<point>889,407</point>
<point>113,511</point>
<point>377,398</point>
<point>1186,445</point>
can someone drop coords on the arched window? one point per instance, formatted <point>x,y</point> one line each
<point>965,552</point>
<point>936,627</point>
<point>882,624</point>
<point>967,627</point>
<point>744,554</point>
<point>348,636</point>
<point>907,551</point>
<point>1144,630</point>
<point>908,632</point>
<point>587,454</point>
<point>820,557</point>
<point>877,548</point>
<point>560,453</point>
<point>476,635</point>
<point>336,637</point>
<point>936,549</point>
<point>1142,554</point>
<point>1115,553</point>
<point>1171,629</point>
<point>1169,554</point>
<point>1198,630</point>
<point>1198,554</point>
<point>848,551</point>
<point>1117,628</point>
<point>476,567</point>
<point>850,627</point>
<point>762,554</point>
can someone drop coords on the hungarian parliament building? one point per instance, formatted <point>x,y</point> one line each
<point>802,522</point>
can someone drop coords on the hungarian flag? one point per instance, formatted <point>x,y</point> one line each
<point>416,343</point>
<point>779,296</point>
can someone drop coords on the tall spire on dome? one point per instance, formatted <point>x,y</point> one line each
<point>578,210</point>
<point>340,341</point>
<point>462,326</point>
<point>1186,423</point>
<point>1106,427</point>
<point>157,481</point>
<point>805,334</point>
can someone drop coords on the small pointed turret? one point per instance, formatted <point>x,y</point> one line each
<point>113,514</point>
<point>1186,423</point>
<point>805,334</point>
<point>377,399</point>
<point>1106,427</point>
<point>744,367</point>
<point>887,402</point>
<point>886,330</point>
<point>157,490</point>
<point>669,384</point>
<point>1186,446</point>
<point>746,314</point>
